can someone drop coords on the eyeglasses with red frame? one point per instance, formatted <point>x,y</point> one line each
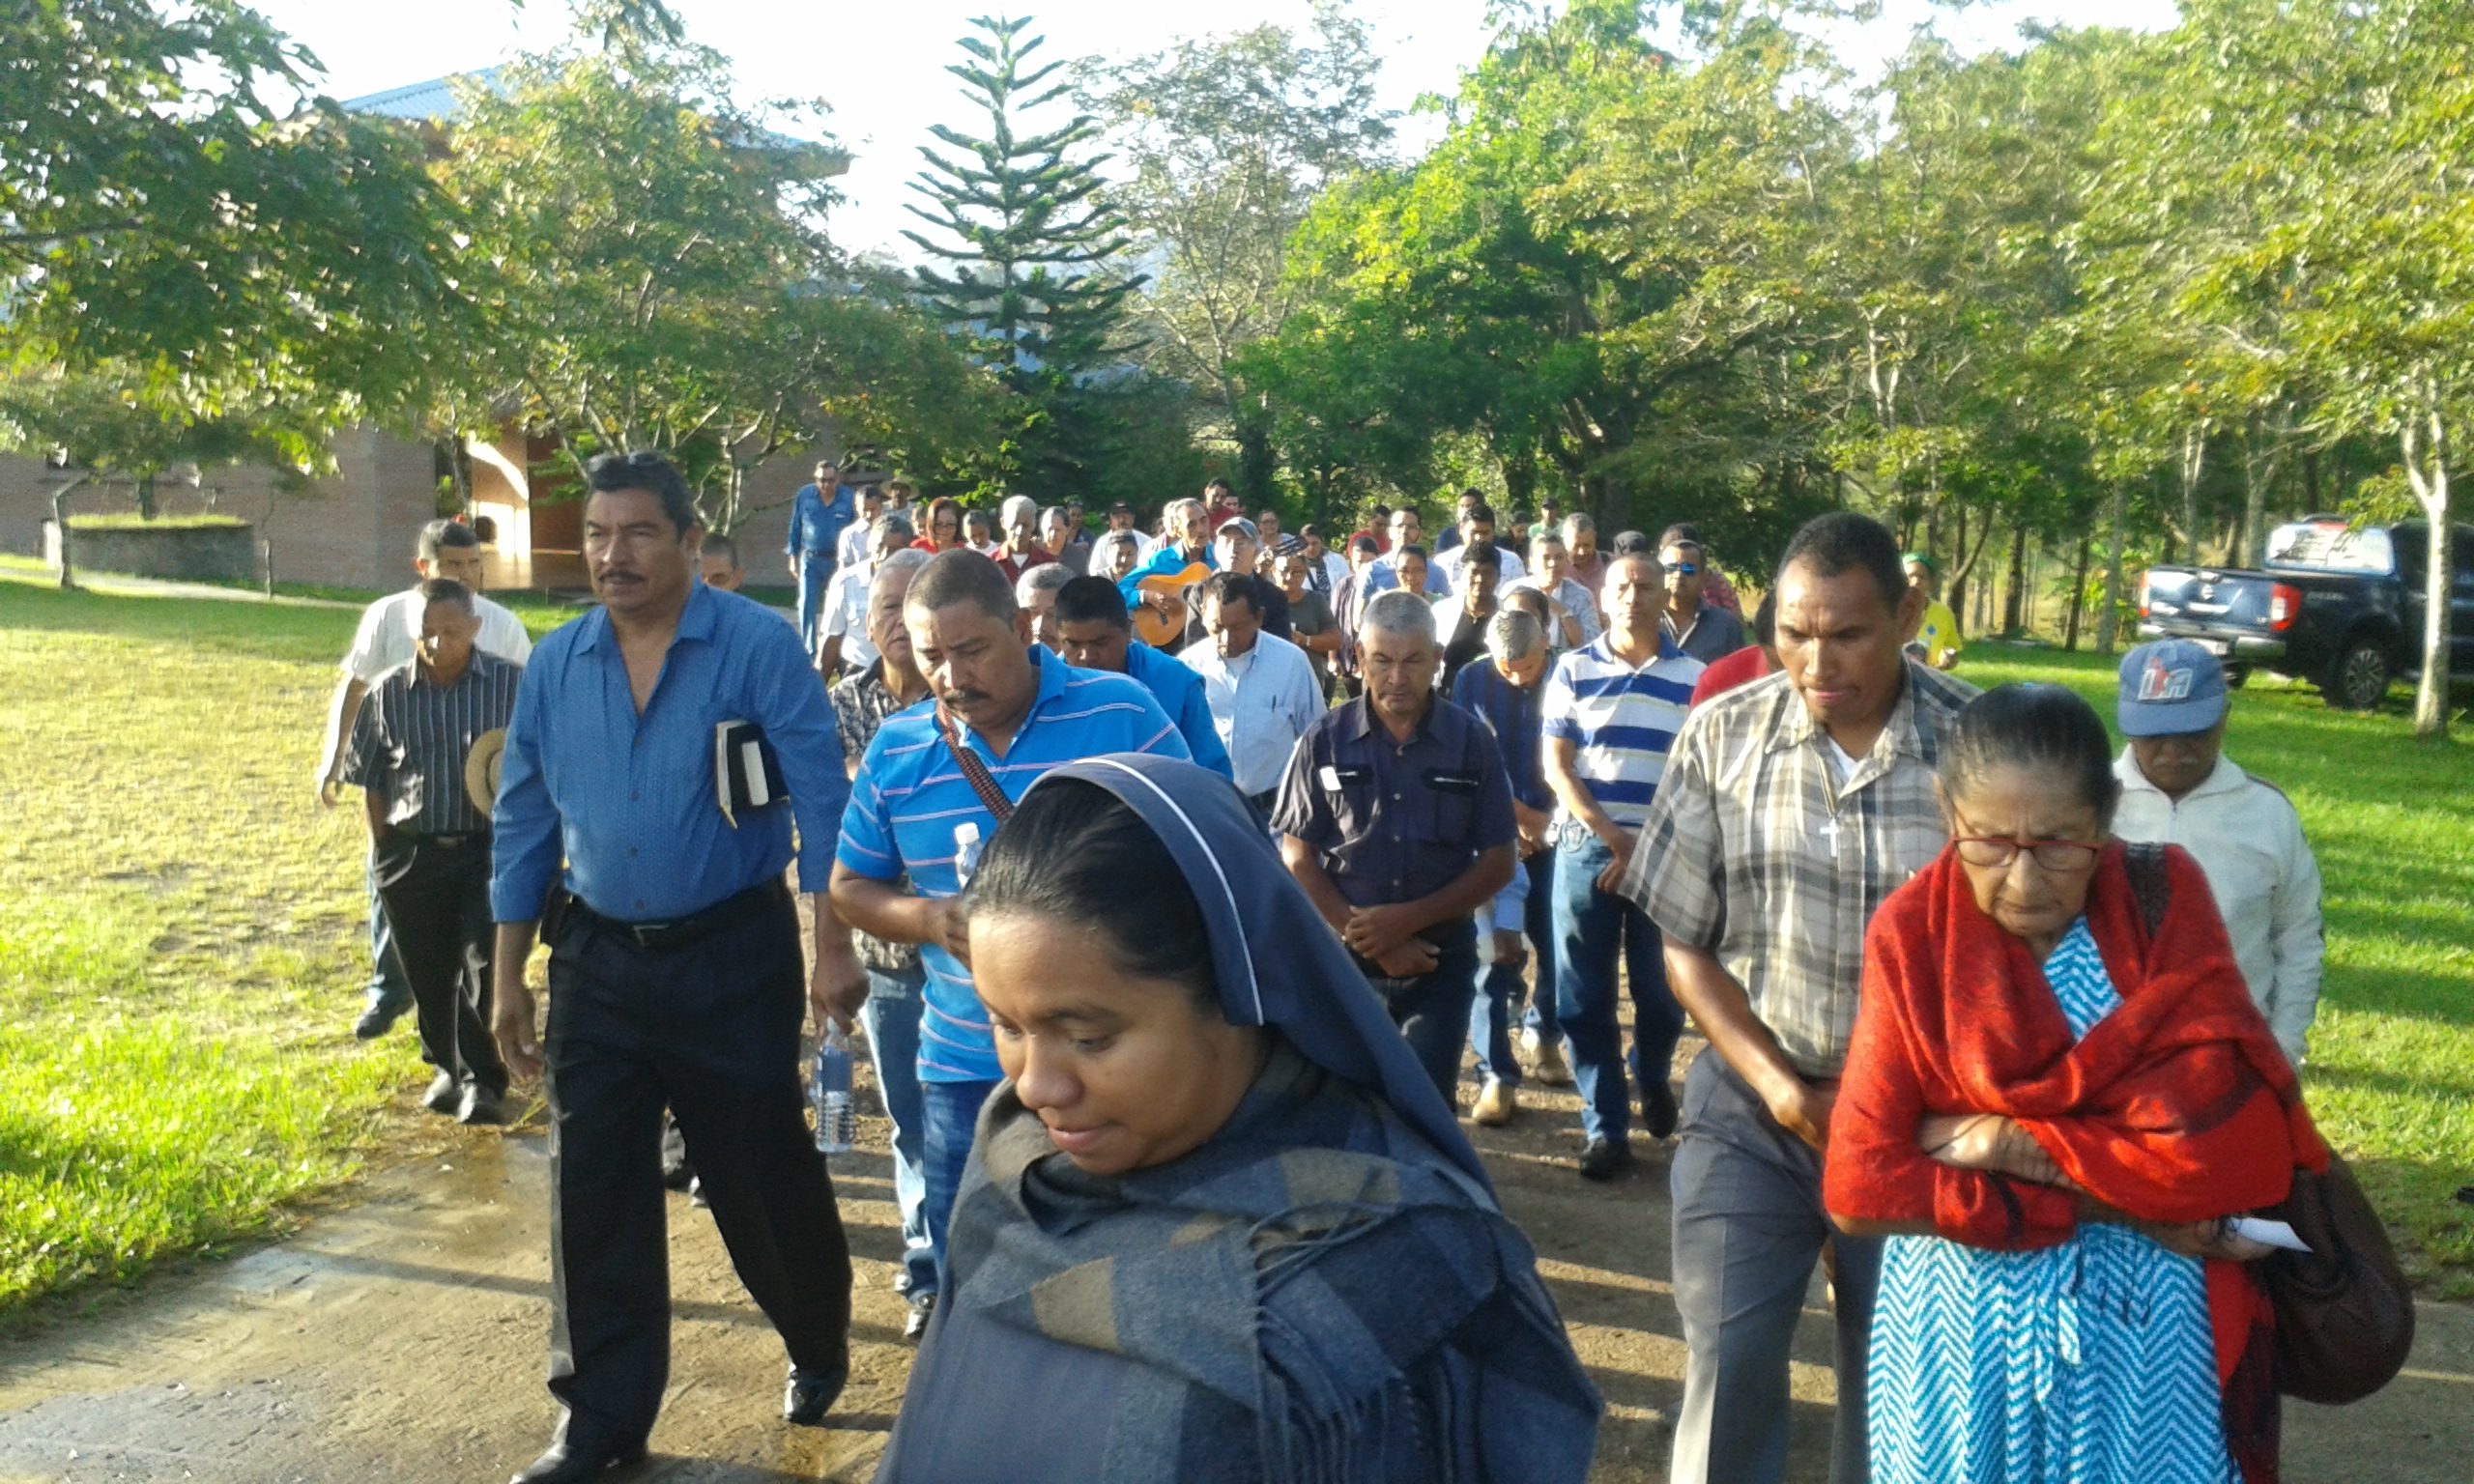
<point>2061,857</point>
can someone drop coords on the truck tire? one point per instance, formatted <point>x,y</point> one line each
<point>2236,676</point>
<point>2358,678</point>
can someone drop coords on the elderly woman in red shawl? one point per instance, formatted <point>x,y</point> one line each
<point>2059,1097</point>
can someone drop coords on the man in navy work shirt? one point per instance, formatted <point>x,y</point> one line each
<point>936,782</point>
<point>1395,815</point>
<point>820,514</point>
<point>676,976</point>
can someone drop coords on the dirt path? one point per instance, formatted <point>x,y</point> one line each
<point>402,1339</point>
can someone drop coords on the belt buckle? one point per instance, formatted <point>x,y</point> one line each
<point>647,935</point>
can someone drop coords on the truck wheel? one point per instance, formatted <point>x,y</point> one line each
<point>2358,680</point>
<point>2235,674</point>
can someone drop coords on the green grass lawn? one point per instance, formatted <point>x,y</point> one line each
<point>181,949</point>
<point>2391,1073</point>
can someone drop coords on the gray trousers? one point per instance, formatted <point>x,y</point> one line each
<point>1748,1228</point>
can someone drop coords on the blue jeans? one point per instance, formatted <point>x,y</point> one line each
<point>892,1018</point>
<point>816,574</point>
<point>1433,1010</point>
<point>387,985</point>
<point>1539,910</point>
<point>949,1114</point>
<point>1590,928</point>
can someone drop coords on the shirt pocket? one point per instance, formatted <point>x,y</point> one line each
<point>1453,794</point>
<point>1348,794</point>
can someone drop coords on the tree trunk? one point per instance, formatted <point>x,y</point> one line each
<point>2077,596</point>
<point>1255,464</point>
<point>1956,593</point>
<point>2013,618</point>
<point>60,523</point>
<point>2425,439</point>
<point>2108,622</point>
<point>2194,464</point>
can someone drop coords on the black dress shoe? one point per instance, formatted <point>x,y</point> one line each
<point>809,1397</point>
<point>923,1308</point>
<point>481,1106</point>
<point>445,1095</point>
<point>378,1019</point>
<point>1604,1158</point>
<point>1657,1109</point>
<point>567,1462</point>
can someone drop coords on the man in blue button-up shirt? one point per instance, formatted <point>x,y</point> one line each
<point>916,810</point>
<point>820,513</point>
<point>675,972</point>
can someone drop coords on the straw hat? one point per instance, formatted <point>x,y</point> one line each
<point>481,768</point>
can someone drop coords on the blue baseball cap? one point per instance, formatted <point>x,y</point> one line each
<point>2171,687</point>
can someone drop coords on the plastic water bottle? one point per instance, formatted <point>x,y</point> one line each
<point>836,1118</point>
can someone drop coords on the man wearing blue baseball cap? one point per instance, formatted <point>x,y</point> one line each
<point>2179,788</point>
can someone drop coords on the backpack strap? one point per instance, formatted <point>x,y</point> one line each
<point>2149,884</point>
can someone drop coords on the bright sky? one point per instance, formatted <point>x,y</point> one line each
<point>880,65</point>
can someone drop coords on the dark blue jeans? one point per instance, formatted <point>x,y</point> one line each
<point>892,1018</point>
<point>1541,922</point>
<point>1433,1010</point>
<point>1591,927</point>
<point>949,1113</point>
<point>387,985</point>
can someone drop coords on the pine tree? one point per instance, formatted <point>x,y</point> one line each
<point>1029,232</point>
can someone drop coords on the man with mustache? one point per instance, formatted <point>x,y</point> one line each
<point>935,783</point>
<point>675,964</point>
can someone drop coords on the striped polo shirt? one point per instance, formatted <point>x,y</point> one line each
<point>1621,719</point>
<point>411,739</point>
<point>912,811</point>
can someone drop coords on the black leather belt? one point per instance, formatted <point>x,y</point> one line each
<point>678,931</point>
<point>451,842</point>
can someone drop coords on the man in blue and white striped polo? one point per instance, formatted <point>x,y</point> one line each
<point>1611,711</point>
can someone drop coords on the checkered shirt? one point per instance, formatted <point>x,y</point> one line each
<point>1753,850</point>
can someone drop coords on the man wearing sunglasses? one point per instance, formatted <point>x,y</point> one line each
<point>1702,630</point>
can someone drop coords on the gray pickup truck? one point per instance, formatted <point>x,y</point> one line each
<point>2340,606</point>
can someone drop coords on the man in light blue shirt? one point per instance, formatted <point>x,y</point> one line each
<point>1095,632</point>
<point>676,975</point>
<point>1384,572</point>
<point>1260,688</point>
<point>820,513</point>
<point>1004,712</point>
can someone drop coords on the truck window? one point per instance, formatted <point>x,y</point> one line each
<point>2324,546</point>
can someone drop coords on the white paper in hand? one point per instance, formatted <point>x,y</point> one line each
<point>2268,1233</point>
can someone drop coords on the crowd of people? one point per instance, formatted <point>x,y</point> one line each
<point>1177,878</point>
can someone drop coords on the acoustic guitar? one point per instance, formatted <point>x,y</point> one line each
<point>1159,629</point>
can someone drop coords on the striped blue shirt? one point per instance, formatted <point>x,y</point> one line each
<point>1621,720</point>
<point>910,797</point>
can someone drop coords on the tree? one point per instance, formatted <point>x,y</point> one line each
<point>1230,139</point>
<point>659,276</point>
<point>1029,237</point>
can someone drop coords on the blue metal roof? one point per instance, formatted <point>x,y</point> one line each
<point>434,100</point>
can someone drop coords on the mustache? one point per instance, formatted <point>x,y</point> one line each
<point>956,700</point>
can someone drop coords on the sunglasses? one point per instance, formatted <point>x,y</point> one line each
<point>1681,568</point>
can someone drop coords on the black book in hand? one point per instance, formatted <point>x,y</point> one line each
<point>746,773</point>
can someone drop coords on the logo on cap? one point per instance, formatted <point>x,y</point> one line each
<point>2157,683</point>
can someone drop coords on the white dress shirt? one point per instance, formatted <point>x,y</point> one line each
<point>1577,600</point>
<point>391,626</point>
<point>2247,838</point>
<point>845,611</point>
<point>1448,565</point>
<point>1261,703</point>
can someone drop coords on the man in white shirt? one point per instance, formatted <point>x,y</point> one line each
<point>1551,573</point>
<point>1477,543</point>
<point>853,545</point>
<point>1261,687</point>
<point>2179,788</point>
<point>842,641</point>
<point>389,630</point>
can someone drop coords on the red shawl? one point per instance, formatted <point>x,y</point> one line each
<point>2177,1107</point>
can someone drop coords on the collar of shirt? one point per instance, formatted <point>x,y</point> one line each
<point>2227,777</point>
<point>1791,724</point>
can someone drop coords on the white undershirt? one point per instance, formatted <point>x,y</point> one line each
<point>1842,763</point>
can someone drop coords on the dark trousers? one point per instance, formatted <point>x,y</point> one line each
<point>436,899</point>
<point>710,1029</point>
<point>385,973</point>
<point>1592,928</point>
<point>1433,1010</point>
<point>1537,915</point>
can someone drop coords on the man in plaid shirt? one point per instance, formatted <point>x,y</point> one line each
<point>1789,809</point>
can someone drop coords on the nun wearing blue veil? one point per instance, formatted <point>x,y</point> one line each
<point>1219,1226</point>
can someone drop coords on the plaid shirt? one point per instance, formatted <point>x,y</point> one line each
<point>1753,850</point>
<point>860,706</point>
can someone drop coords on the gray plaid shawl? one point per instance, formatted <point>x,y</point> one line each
<point>1316,1296</point>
